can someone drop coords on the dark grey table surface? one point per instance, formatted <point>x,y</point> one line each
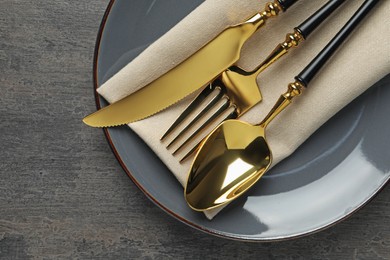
<point>62,192</point>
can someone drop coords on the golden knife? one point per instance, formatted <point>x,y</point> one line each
<point>187,77</point>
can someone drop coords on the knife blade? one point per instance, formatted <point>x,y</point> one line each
<point>187,77</point>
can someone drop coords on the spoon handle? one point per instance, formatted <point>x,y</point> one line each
<point>307,74</point>
<point>318,62</point>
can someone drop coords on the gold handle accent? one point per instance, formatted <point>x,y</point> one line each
<point>294,89</point>
<point>292,40</point>
<point>270,10</point>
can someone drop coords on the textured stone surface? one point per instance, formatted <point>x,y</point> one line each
<point>62,192</point>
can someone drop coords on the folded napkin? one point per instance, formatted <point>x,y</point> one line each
<point>358,64</point>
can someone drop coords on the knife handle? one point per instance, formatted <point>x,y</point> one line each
<point>285,4</point>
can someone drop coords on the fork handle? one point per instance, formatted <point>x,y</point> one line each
<point>295,89</point>
<point>300,33</point>
<point>318,62</point>
<point>311,23</point>
<point>285,4</point>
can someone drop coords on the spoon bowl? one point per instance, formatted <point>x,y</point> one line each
<point>227,164</point>
<point>236,154</point>
<point>232,159</point>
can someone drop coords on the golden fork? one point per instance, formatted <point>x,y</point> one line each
<point>235,90</point>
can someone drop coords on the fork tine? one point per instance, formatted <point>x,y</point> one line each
<point>201,96</point>
<point>231,115</point>
<point>220,110</point>
<point>204,110</point>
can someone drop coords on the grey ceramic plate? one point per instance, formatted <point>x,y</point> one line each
<point>337,171</point>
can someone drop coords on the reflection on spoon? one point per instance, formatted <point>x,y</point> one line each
<point>236,154</point>
<point>232,158</point>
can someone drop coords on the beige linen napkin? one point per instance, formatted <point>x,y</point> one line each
<point>358,64</point>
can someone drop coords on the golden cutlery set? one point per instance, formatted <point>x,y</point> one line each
<point>234,155</point>
<point>239,87</point>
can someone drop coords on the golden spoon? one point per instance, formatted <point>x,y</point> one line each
<point>236,154</point>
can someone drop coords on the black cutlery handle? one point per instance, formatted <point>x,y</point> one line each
<point>311,23</point>
<point>285,4</point>
<point>318,62</point>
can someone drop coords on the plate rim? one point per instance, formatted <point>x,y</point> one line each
<point>167,210</point>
